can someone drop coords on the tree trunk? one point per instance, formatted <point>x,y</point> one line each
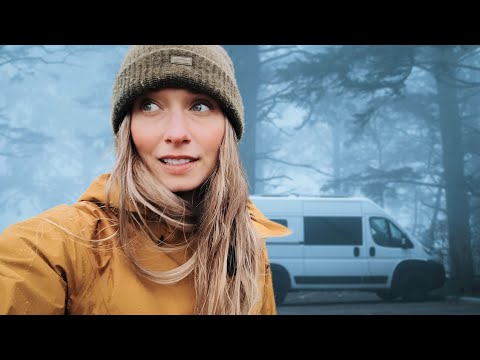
<point>337,156</point>
<point>455,191</point>
<point>475,202</point>
<point>433,224</point>
<point>247,67</point>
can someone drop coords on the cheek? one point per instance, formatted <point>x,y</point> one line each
<point>143,137</point>
<point>213,139</point>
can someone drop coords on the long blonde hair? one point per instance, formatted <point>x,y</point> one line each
<point>226,258</point>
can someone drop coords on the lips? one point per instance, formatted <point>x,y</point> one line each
<point>177,159</point>
<point>177,164</point>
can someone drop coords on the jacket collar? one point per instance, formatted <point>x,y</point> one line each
<point>96,192</point>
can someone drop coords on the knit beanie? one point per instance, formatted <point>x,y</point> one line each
<point>201,68</point>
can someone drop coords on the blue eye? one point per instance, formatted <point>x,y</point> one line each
<point>200,107</point>
<point>149,106</point>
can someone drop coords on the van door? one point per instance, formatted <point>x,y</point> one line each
<point>387,246</point>
<point>287,252</point>
<point>334,253</point>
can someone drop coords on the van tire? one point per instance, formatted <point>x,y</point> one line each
<point>413,285</point>
<point>281,283</point>
<point>387,294</point>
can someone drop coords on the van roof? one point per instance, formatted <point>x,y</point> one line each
<point>311,198</point>
<point>357,202</point>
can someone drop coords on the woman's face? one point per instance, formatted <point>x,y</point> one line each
<point>178,135</point>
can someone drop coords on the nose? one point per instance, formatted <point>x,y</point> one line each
<point>177,131</point>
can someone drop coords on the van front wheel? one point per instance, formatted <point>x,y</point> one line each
<point>413,286</point>
<point>281,283</point>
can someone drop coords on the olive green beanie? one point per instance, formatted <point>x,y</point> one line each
<point>201,68</point>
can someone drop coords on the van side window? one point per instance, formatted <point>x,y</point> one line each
<point>323,230</point>
<point>387,234</point>
<point>283,222</point>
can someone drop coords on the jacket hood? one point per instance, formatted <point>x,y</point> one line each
<point>96,193</point>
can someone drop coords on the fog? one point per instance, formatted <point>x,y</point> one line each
<point>397,124</point>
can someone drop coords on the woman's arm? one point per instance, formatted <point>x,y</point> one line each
<point>34,264</point>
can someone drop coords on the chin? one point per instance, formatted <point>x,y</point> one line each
<point>181,189</point>
<point>183,184</point>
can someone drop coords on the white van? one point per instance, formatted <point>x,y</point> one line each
<point>346,243</point>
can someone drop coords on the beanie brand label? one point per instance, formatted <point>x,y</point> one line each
<point>181,60</point>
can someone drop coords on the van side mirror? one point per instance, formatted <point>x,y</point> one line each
<point>405,243</point>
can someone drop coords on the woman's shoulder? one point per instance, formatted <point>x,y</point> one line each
<point>265,227</point>
<point>79,215</point>
<point>78,220</point>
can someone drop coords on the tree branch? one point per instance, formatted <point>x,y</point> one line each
<point>306,119</point>
<point>472,128</point>
<point>273,48</point>
<point>276,58</point>
<point>306,166</point>
<point>448,63</point>
<point>469,54</point>
<point>271,122</point>
<point>274,178</point>
<point>472,190</point>
<point>433,207</point>
<point>287,54</point>
<point>36,58</point>
<point>420,183</point>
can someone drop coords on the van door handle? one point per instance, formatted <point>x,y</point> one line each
<point>372,251</point>
<point>356,251</point>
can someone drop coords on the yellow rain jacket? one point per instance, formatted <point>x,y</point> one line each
<point>47,267</point>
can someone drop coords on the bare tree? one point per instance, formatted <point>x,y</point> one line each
<point>378,75</point>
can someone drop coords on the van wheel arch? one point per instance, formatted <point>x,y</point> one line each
<point>281,282</point>
<point>410,280</point>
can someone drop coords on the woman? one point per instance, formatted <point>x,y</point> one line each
<point>171,229</point>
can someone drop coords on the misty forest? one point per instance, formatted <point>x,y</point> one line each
<point>397,124</point>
